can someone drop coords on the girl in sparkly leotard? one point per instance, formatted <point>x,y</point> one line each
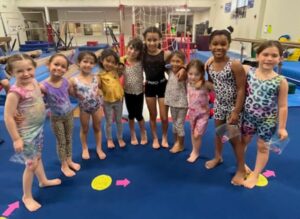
<point>25,97</point>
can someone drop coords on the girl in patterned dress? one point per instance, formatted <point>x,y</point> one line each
<point>26,98</point>
<point>198,102</point>
<point>113,94</point>
<point>176,99</point>
<point>56,89</point>
<point>229,79</point>
<point>134,89</point>
<point>85,87</point>
<point>265,109</point>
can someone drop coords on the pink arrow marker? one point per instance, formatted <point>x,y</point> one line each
<point>125,182</point>
<point>269,173</point>
<point>11,208</point>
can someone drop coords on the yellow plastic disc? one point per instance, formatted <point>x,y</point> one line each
<point>101,182</point>
<point>262,181</point>
<point>3,218</point>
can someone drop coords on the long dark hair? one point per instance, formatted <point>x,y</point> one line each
<point>137,44</point>
<point>84,54</point>
<point>152,29</point>
<point>177,53</point>
<point>106,53</point>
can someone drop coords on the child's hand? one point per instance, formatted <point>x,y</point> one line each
<point>233,118</point>
<point>120,69</point>
<point>282,133</point>
<point>18,117</point>
<point>181,74</point>
<point>18,145</point>
<point>100,93</point>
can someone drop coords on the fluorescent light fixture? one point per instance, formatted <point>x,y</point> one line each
<point>182,10</point>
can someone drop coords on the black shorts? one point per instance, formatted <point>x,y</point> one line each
<point>153,89</point>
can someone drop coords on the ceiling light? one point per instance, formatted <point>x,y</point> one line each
<point>182,10</point>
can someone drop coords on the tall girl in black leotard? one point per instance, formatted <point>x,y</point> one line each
<point>154,66</point>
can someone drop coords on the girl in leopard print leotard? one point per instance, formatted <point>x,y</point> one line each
<point>229,79</point>
<point>265,106</point>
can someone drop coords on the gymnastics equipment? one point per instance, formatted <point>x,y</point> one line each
<point>56,30</point>
<point>121,36</point>
<point>34,45</point>
<point>73,68</point>
<point>276,145</point>
<point>288,69</point>
<point>115,43</point>
<point>255,42</point>
<point>292,88</point>
<point>167,20</point>
<point>93,48</point>
<point>227,131</point>
<point>5,43</point>
<point>92,43</point>
<point>44,60</point>
<point>33,54</point>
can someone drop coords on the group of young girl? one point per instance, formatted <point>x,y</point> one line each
<point>254,99</point>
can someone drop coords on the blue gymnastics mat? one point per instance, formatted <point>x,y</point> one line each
<point>291,70</point>
<point>93,48</point>
<point>204,55</point>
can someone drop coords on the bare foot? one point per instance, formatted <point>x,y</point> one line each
<point>193,157</point>
<point>248,170</point>
<point>238,178</point>
<point>122,143</point>
<point>31,204</point>
<point>73,165</point>
<point>110,144</point>
<point>134,140</point>
<point>67,171</point>
<point>177,148</point>
<point>213,163</point>
<point>164,142</point>
<point>50,182</point>
<point>144,139</point>
<point>251,181</point>
<point>85,154</point>
<point>101,154</point>
<point>155,144</point>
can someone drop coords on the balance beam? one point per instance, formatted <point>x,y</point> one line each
<point>285,45</point>
<point>33,54</point>
<point>74,67</point>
